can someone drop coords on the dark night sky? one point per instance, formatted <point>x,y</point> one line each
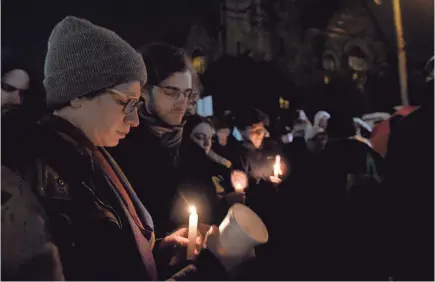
<point>26,24</point>
<point>137,21</point>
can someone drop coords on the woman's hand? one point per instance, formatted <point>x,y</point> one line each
<point>179,241</point>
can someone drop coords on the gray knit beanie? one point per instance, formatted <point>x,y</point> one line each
<point>83,58</point>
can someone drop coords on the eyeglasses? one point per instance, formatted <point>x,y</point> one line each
<point>131,104</point>
<point>175,92</point>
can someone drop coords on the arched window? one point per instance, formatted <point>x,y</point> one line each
<point>198,61</point>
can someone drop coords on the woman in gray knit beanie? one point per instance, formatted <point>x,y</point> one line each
<point>78,199</point>
<point>93,79</point>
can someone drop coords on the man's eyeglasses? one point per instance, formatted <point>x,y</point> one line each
<point>131,104</point>
<point>175,92</point>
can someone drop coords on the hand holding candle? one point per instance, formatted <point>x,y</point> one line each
<point>239,180</point>
<point>193,229</point>
<point>277,170</point>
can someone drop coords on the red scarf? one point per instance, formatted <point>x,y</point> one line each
<point>145,248</point>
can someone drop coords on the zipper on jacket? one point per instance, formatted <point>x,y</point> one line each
<point>105,205</point>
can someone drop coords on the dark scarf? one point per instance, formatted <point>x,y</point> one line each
<point>170,135</point>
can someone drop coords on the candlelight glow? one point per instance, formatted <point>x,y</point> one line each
<point>277,171</point>
<point>192,209</point>
<point>239,180</point>
<point>239,188</point>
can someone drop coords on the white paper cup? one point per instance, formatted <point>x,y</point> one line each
<point>240,231</point>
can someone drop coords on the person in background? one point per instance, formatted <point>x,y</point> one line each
<point>316,139</point>
<point>321,119</point>
<point>363,131</point>
<point>23,102</point>
<point>82,219</point>
<point>223,131</point>
<point>410,190</point>
<point>14,83</point>
<point>222,143</point>
<point>20,88</point>
<point>256,153</point>
<point>192,104</point>
<point>197,172</point>
<point>315,136</point>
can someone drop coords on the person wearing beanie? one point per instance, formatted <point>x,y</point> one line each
<point>90,222</point>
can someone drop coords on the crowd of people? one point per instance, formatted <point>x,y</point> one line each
<point>96,185</point>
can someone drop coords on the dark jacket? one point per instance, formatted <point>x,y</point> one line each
<point>229,150</point>
<point>257,163</point>
<point>410,190</point>
<point>84,217</point>
<point>85,223</point>
<point>197,185</point>
<point>344,209</point>
<point>151,167</point>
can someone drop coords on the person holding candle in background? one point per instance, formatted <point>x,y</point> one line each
<point>197,171</point>
<point>256,156</point>
<point>198,174</point>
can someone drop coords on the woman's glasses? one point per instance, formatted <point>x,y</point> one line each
<point>130,105</point>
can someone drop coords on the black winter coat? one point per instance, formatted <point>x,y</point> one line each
<point>152,169</point>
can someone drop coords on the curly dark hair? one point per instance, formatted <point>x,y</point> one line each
<point>162,60</point>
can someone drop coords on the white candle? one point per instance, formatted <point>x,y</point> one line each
<point>277,171</point>
<point>193,229</point>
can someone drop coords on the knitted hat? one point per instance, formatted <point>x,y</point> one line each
<point>83,58</point>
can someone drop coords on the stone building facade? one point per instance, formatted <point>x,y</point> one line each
<point>272,31</point>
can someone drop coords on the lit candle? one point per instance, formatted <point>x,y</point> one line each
<point>239,181</point>
<point>239,188</point>
<point>277,171</point>
<point>193,229</point>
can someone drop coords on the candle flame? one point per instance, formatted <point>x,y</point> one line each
<point>192,209</point>
<point>239,188</point>
<point>277,171</point>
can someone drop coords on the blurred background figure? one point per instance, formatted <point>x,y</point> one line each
<point>13,85</point>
